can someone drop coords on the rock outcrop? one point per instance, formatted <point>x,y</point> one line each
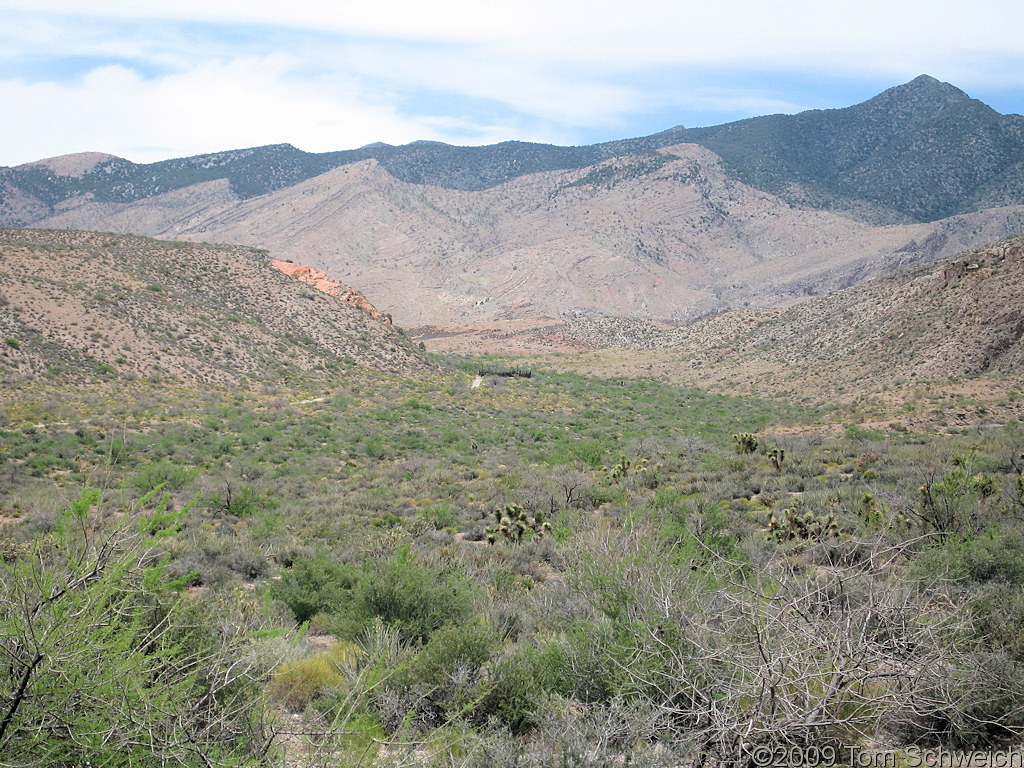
<point>319,280</point>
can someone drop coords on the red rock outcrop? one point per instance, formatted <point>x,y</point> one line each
<point>319,280</point>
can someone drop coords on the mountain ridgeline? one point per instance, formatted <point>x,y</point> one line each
<point>917,152</point>
<point>922,151</point>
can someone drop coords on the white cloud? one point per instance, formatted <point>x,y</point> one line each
<point>611,33</point>
<point>215,105</point>
<point>150,80</point>
<point>555,93</point>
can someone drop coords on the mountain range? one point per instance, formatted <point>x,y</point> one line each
<point>672,227</point>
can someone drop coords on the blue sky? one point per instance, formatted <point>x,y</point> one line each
<point>149,81</point>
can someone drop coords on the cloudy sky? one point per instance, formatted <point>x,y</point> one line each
<point>148,80</point>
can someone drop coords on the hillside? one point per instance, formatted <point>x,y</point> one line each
<point>947,324</point>
<point>668,235</point>
<point>963,317</point>
<point>917,152</point>
<point>88,306</point>
<point>958,319</point>
<point>920,152</point>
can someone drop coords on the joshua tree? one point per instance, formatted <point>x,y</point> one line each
<point>516,524</point>
<point>746,442</point>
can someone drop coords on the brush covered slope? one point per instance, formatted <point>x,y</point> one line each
<point>963,317</point>
<point>100,305</point>
<point>960,318</point>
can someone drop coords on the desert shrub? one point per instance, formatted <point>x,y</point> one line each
<point>108,665</point>
<point>973,704</point>
<point>289,555</point>
<point>240,501</point>
<point>996,614</point>
<point>580,664</point>
<point>460,649</point>
<point>249,562</point>
<point>994,555</point>
<point>590,452</point>
<point>438,516</point>
<point>515,696</point>
<point>591,496</point>
<point>716,537</point>
<point>162,475</point>
<point>957,503</point>
<point>189,569</point>
<point>299,683</point>
<point>443,682</point>
<point>315,585</point>
<point>410,596</point>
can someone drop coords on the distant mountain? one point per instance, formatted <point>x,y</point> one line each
<point>918,152</point>
<point>81,306</point>
<point>922,151</point>
<point>667,235</point>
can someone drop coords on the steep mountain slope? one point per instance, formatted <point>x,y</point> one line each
<point>921,152</point>
<point>79,305</point>
<point>962,317</point>
<point>667,235</point>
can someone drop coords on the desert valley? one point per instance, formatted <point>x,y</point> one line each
<point>703,447</point>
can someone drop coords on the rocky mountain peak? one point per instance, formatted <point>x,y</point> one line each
<point>922,95</point>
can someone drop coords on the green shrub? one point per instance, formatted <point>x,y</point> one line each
<point>438,516</point>
<point>954,503</point>
<point>996,612</point>
<point>992,556</point>
<point>447,674</point>
<point>243,501</point>
<point>515,697</point>
<point>299,683</point>
<point>579,665</point>
<point>316,585</point>
<point>410,596</point>
<point>107,664</point>
<point>162,474</point>
<point>466,646</point>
